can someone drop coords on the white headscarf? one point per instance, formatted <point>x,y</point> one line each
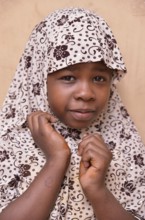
<point>67,37</point>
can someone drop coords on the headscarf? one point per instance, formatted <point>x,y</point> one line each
<point>66,37</point>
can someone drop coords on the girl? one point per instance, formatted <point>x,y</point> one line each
<point>68,148</point>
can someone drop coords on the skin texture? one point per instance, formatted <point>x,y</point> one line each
<point>84,91</point>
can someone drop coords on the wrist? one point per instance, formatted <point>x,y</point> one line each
<point>95,193</point>
<point>63,153</point>
<point>59,159</point>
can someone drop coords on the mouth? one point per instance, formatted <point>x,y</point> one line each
<point>83,114</point>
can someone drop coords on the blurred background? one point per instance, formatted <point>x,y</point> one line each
<point>126,19</point>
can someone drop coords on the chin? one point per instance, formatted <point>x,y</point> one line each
<point>78,125</point>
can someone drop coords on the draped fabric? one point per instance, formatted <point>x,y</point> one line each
<point>67,37</point>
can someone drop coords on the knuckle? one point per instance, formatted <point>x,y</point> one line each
<point>28,117</point>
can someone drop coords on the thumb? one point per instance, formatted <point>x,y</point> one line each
<point>83,167</point>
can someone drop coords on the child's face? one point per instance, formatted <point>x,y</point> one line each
<point>77,94</point>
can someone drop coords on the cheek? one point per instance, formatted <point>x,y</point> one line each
<point>104,98</point>
<point>51,96</point>
<point>56,99</point>
<point>53,100</point>
<point>108,94</point>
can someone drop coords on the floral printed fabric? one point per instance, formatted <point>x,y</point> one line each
<point>64,38</point>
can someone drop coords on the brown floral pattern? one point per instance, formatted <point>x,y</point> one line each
<point>36,89</point>
<point>128,187</point>
<point>64,38</point>
<point>4,155</point>
<point>139,160</point>
<point>62,20</point>
<point>61,52</point>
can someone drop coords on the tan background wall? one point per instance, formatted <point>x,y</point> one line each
<point>125,17</point>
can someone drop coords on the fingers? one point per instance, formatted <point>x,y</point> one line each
<point>45,136</point>
<point>94,152</point>
<point>39,118</point>
<point>91,140</point>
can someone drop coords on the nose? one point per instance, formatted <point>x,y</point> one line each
<point>85,92</point>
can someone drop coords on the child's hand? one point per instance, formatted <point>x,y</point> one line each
<point>44,135</point>
<point>95,159</point>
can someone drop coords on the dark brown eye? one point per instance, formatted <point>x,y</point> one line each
<point>68,78</point>
<point>99,79</point>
